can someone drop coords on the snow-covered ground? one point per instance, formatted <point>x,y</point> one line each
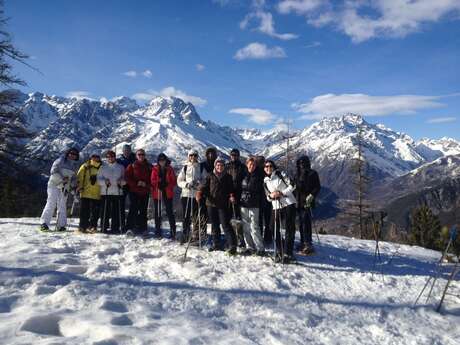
<point>67,288</point>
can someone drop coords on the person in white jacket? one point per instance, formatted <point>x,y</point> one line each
<point>62,180</point>
<point>279,191</point>
<point>189,180</point>
<point>111,178</point>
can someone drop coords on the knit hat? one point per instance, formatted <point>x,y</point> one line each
<point>192,152</point>
<point>219,160</point>
<point>162,156</point>
<point>126,147</point>
<point>235,152</point>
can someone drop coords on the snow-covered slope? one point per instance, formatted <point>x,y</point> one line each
<point>96,289</point>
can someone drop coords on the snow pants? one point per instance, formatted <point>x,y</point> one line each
<point>57,199</point>
<point>111,206</point>
<point>168,205</point>
<point>285,216</point>
<point>252,235</point>
<point>137,215</point>
<point>218,217</point>
<point>89,213</point>
<point>305,225</point>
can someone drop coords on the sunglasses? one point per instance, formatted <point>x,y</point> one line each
<point>73,153</point>
<point>141,154</point>
<point>269,166</point>
<point>110,156</point>
<point>193,155</point>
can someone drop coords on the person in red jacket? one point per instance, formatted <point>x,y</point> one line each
<point>163,181</point>
<point>137,176</point>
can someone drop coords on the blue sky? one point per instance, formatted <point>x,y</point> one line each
<point>254,63</point>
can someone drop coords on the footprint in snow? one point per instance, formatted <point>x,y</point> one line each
<point>7,303</point>
<point>122,320</point>
<point>113,306</point>
<point>43,324</point>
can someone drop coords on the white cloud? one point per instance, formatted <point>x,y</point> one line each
<point>301,7</point>
<point>131,74</point>
<point>147,73</point>
<point>169,91</point>
<point>79,95</point>
<point>266,25</point>
<point>363,20</point>
<point>333,105</point>
<point>259,116</point>
<point>441,119</point>
<point>257,50</point>
<point>313,44</point>
<point>199,67</point>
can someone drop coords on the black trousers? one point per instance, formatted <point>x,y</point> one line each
<point>137,215</point>
<point>110,213</point>
<point>285,216</point>
<point>168,204</point>
<point>305,225</point>
<point>218,217</point>
<point>265,214</point>
<point>89,213</point>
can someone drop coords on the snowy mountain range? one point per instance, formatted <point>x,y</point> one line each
<point>170,125</point>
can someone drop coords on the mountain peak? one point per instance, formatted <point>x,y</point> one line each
<point>172,107</point>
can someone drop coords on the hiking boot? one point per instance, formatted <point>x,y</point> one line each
<point>158,233</point>
<point>82,230</point>
<point>247,252</point>
<point>300,247</point>
<point>231,251</point>
<point>288,259</point>
<point>44,227</point>
<point>61,229</point>
<point>261,253</point>
<point>309,249</point>
<point>92,230</point>
<point>130,233</point>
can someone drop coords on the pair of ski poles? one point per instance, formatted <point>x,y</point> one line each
<point>104,214</point>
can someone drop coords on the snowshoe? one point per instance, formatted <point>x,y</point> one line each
<point>44,228</point>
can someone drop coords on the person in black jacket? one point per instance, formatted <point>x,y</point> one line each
<point>127,158</point>
<point>218,190</point>
<point>252,190</point>
<point>265,210</point>
<point>307,189</point>
<point>237,171</point>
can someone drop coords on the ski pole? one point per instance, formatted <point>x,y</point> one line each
<point>199,225</point>
<point>274,233</point>
<point>314,227</point>
<point>185,216</point>
<point>119,210</point>
<point>104,215</point>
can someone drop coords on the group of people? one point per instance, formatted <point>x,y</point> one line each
<point>250,201</point>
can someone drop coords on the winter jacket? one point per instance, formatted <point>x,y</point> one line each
<point>126,161</point>
<point>237,171</point>
<point>191,175</point>
<point>162,181</point>
<point>115,173</point>
<point>136,172</point>
<point>306,182</point>
<point>217,190</point>
<point>252,188</point>
<point>279,181</point>
<point>87,180</point>
<point>61,168</point>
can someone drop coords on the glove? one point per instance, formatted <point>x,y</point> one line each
<point>198,196</point>
<point>309,201</point>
